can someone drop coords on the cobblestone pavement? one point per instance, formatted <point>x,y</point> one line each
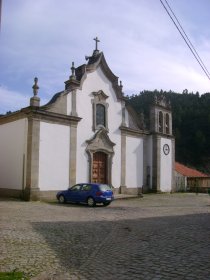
<point>155,237</point>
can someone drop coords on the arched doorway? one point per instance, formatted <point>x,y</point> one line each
<point>99,170</point>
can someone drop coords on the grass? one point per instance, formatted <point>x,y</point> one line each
<point>14,275</point>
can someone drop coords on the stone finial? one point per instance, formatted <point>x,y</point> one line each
<point>121,86</point>
<point>35,100</point>
<point>35,87</point>
<point>72,77</point>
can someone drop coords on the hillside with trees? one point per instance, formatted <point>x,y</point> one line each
<point>191,124</point>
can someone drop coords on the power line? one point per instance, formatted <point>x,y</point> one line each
<point>186,38</point>
<point>0,12</point>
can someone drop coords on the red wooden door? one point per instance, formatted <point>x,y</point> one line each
<point>99,168</point>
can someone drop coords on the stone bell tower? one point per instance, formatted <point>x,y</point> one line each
<point>163,145</point>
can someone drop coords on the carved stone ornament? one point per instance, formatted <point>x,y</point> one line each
<point>100,142</point>
<point>35,87</point>
<point>162,101</point>
<point>100,96</point>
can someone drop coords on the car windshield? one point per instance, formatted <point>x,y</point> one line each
<point>104,188</point>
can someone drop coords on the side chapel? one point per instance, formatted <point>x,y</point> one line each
<point>86,133</point>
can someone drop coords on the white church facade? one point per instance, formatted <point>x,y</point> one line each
<point>86,133</point>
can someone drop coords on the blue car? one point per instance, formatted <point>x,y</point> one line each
<point>89,193</point>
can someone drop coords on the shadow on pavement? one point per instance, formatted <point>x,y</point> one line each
<point>176,247</point>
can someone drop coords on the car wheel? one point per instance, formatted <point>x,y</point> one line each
<point>91,202</point>
<point>61,199</point>
<point>106,203</point>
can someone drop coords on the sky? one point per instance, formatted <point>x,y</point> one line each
<point>140,42</point>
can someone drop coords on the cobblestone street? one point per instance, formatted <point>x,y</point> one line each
<point>159,236</point>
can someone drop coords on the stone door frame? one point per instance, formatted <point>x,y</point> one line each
<point>100,142</point>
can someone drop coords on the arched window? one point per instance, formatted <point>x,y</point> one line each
<point>100,115</point>
<point>167,124</point>
<point>160,121</point>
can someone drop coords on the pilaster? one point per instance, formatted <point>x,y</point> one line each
<point>74,103</point>
<point>123,114</point>
<point>73,154</point>
<point>123,162</point>
<point>173,183</point>
<point>156,163</point>
<point>31,191</point>
<point>145,186</point>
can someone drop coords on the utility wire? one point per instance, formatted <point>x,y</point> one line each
<point>187,37</point>
<point>189,44</point>
<point>0,12</point>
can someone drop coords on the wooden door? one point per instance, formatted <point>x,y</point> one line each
<point>99,168</point>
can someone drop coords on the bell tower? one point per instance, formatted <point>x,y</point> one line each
<point>163,145</point>
<point>161,116</point>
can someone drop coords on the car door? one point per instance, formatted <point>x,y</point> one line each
<point>74,193</point>
<point>85,192</point>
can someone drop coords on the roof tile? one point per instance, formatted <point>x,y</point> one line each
<point>188,172</point>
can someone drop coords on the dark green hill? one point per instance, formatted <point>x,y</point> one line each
<point>191,124</point>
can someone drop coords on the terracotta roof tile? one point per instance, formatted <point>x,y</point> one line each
<point>188,172</point>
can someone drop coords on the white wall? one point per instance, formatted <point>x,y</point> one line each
<point>165,166</point>
<point>94,82</point>
<point>134,162</point>
<point>13,138</point>
<point>54,156</point>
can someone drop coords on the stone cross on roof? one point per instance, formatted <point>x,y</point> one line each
<point>72,71</point>
<point>97,41</point>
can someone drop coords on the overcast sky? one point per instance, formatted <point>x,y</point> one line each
<point>140,43</point>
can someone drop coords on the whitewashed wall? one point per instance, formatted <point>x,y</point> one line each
<point>134,162</point>
<point>13,139</point>
<point>94,82</point>
<point>54,156</point>
<point>165,166</point>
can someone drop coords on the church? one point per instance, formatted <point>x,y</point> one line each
<point>86,133</point>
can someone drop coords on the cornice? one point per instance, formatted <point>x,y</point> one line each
<point>110,75</point>
<point>133,132</point>
<point>42,115</point>
<point>50,116</point>
<point>162,135</point>
<point>12,117</point>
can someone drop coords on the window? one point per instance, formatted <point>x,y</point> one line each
<point>100,110</point>
<point>160,121</point>
<point>104,188</point>
<point>100,115</point>
<point>86,188</point>
<point>167,124</point>
<point>75,188</point>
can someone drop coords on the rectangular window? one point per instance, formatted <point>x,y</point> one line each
<point>100,115</point>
